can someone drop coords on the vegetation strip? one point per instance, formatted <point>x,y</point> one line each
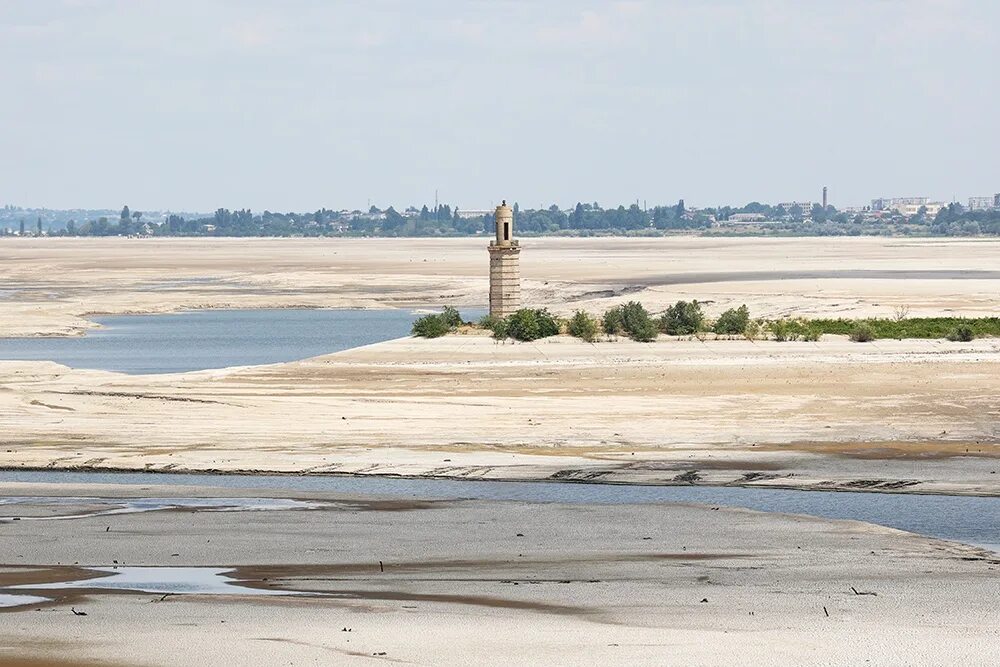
<point>685,318</point>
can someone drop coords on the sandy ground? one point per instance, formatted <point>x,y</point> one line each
<point>915,416</point>
<point>466,582</point>
<point>47,286</point>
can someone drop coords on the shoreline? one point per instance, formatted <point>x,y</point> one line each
<point>261,473</point>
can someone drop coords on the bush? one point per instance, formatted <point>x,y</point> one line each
<point>782,330</point>
<point>752,332</point>
<point>612,322</point>
<point>862,333</point>
<point>633,319</point>
<point>452,317</point>
<point>583,326</point>
<point>682,319</point>
<point>733,322</point>
<point>531,324</point>
<point>431,326</point>
<point>962,334</point>
<point>810,334</point>
<point>489,321</point>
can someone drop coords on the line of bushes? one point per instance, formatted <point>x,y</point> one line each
<point>685,318</point>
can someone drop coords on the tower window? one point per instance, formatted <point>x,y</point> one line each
<point>506,232</point>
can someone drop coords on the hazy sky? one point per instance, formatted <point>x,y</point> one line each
<point>301,104</point>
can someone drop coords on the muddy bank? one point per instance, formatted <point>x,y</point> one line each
<point>502,583</point>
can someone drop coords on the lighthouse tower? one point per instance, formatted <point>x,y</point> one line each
<point>505,271</point>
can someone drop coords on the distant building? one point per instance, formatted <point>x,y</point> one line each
<point>897,203</point>
<point>806,206</point>
<point>982,203</point>
<point>932,208</point>
<point>747,217</point>
<point>473,213</point>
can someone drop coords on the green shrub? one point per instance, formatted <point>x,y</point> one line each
<point>531,324</point>
<point>452,317</point>
<point>682,319</point>
<point>782,330</point>
<point>752,332</point>
<point>810,333</point>
<point>431,326</point>
<point>489,321</point>
<point>862,333</point>
<point>612,322</point>
<point>582,325</point>
<point>644,331</point>
<point>632,319</point>
<point>733,322</point>
<point>499,328</point>
<point>962,333</point>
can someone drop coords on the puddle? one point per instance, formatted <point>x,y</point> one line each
<point>109,506</point>
<point>7,600</point>
<point>161,580</point>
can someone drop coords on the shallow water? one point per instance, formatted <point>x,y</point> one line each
<point>135,505</point>
<point>968,519</point>
<point>177,580</point>
<point>8,600</point>
<point>179,342</point>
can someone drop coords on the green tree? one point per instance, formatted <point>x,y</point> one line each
<point>530,324</point>
<point>430,326</point>
<point>682,319</point>
<point>733,322</point>
<point>612,322</point>
<point>583,325</point>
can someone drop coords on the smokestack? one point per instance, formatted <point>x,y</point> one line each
<point>824,196</point>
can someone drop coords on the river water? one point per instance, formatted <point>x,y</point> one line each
<point>969,519</point>
<point>188,341</point>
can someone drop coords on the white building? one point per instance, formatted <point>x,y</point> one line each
<point>981,203</point>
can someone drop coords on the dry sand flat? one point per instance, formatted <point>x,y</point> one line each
<point>912,415</point>
<point>919,416</point>
<point>467,582</point>
<point>51,284</point>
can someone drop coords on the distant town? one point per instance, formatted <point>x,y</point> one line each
<point>917,216</point>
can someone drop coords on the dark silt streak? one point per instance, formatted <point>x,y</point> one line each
<point>970,519</point>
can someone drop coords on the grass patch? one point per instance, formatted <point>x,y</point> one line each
<point>915,327</point>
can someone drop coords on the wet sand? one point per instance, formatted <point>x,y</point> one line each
<point>468,582</point>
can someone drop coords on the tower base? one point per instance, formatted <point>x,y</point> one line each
<point>505,279</point>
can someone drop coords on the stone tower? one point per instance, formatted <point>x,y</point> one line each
<point>505,271</point>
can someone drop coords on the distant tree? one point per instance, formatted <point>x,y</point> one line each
<point>818,213</point>
<point>679,210</point>
<point>71,227</point>
<point>126,214</point>
<point>39,226</point>
<point>22,228</point>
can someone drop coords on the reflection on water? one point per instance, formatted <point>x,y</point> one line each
<point>969,519</point>
<point>179,342</point>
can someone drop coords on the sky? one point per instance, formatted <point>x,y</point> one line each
<point>295,105</point>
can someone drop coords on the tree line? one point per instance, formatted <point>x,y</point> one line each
<point>582,219</point>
